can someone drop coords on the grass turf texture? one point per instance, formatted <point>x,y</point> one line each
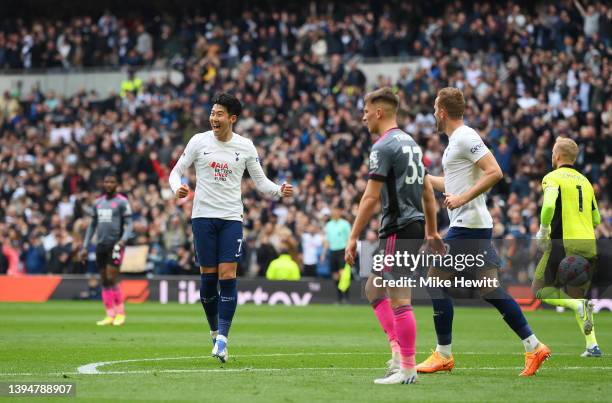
<point>291,354</point>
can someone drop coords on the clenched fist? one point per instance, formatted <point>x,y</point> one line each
<point>183,191</point>
<point>286,190</point>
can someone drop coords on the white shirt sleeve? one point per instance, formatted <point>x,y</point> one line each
<point>182,164</point>
<point>263,184</point>
<point>472,147</point>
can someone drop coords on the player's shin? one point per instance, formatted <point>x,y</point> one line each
<point>108,301</point>
<point>227,304</point>
<point>586,324</point>
<point>384,314</point>
<point>591,340</point>
<point>118,300</point>
<point>443,313</point>
<point>405,329</point>
<point>513,316</point>
<point>209,297</point>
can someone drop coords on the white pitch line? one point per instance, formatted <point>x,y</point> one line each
<point>291,369</point>
<point>321,369</point>
<point>150,371</point>
<point>92,368</point>
<point>380,353</point>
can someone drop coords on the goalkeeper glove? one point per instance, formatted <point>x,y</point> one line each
<point>543,238</point>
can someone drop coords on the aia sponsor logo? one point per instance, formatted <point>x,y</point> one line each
<point>221,170</point>
<point>219,165</point>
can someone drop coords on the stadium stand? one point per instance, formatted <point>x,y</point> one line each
<point>529,74</point>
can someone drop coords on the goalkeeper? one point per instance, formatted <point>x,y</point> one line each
<point>569,215</point>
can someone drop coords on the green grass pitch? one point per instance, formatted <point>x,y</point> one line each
<point>289,354</point>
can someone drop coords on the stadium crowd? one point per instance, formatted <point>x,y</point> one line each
<point>528,76</point>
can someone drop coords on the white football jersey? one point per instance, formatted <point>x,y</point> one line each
<point>465,148</point>
<point>219,168</point>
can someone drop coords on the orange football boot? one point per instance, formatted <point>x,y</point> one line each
<point>436,363</point>
<point>535,359</point>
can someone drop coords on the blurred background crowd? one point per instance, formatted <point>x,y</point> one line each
<point>529,72</point>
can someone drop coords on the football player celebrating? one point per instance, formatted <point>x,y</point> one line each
<point>220,157</point>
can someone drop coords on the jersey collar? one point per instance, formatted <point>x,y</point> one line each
<point>387,132</point>
<point>570,166</point>
<point>455,131</point>
<point>230,141</point>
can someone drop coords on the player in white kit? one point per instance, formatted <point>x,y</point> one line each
<point>470,170</point>
<point>220,157</point>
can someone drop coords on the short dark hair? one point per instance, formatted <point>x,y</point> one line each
<point>384,95</point>
<point>230,102</point>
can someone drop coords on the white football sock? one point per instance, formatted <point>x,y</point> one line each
<point>531,343</point>
<point>444,350</point>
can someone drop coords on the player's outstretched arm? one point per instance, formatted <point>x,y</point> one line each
<point>263,184</point>
<point>492,175</point>
<point>181,190</point>
<point>367,207</point>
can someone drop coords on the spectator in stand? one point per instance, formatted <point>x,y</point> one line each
<point>60,256</point>
<point>174,235</point>
<point>35,256</point>
<point>312,241</point>
<point>181,262</point>
<point>10,259</point>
